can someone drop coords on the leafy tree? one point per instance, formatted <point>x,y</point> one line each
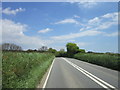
<point>52,50</point>
<point>62,50</point>
<point>30,50</point>
<point>81,51</point>
<point>61,53</point>
<point>72,49</point>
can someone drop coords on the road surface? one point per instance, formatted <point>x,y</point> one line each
<point>72,73</point>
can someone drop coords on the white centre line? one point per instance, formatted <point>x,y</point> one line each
<point>91,76</point>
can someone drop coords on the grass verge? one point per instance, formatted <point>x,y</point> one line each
<point>24,70</point>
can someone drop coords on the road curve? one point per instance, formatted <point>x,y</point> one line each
<point>72,73</point>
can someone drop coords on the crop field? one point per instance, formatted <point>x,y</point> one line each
<point>23,69</point>
<point>106,60</point>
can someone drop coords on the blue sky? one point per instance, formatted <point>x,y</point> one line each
<point>92,26</point>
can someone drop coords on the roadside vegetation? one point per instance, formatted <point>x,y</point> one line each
<point>106,60</point>
<point>109,60</point>
<point>24,69</point>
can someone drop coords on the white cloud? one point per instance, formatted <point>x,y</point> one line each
<point>105,25</point>
<point>11,28</point>
<point>76,16</point>
<point>110,15</point>
<point>100,23</point>
<point>87,4</point>
<point>81,44</point>
<point>9,11</point>
<point>94,20</point>
<point>84,3</point>
<point>76,35</point>
<point>82,29</point>
<point>13,32</point>
<point>45,30</point>
<point>92,27</point>
<point>86,28</point>
<point>65,21</point>
<point>112,34</point>
<point>113,16</point>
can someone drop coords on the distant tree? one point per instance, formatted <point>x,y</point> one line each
<point>35,50</point>
<point>52,50</point>
<point>90,52</point>
<point>62,50</point>
<point>81,51</point>
<point>72,49</point>
<point>43,48</point>
<point>108,52</point>
<point>29,50</point>
<point>11,47</point>
<point>61,53</point>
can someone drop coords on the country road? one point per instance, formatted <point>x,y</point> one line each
<point>72,73</point>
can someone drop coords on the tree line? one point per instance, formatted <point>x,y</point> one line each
<point>71,48</point>
<point>10,47</point>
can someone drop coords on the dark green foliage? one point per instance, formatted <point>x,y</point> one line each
<point>72,49</point>
<point>81,51</point>
<point>52,50</point>
<point>61,54</point>
<point>106,60</point>
<point>24,70</point>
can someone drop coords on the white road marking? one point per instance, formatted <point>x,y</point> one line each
<point>91,76</point>
<point>48,75</point>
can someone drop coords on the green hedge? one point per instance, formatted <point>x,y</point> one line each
<point>106,60</point>
<point>24,70</point>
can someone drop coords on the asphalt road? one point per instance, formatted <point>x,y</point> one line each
<point>72,73</point>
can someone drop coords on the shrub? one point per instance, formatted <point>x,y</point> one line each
<point>106,60</point>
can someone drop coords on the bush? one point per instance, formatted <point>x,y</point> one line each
<point>106,60</point>
<point>61,54</point>
<point>81,51</point>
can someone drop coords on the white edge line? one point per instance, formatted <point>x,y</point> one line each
<point>48,74</point>
<point>82,70</point>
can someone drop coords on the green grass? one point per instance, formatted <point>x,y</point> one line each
<point>106,60</point>
<point>24,70</point>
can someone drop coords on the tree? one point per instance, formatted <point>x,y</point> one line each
<point>11,47</point>
<point>81,51</point>
<point>30,50</point>
<point>72,49</point>
<point>62,50</point>
<point>52,50</point>
<point>43,48</point>
<point>61,53</point>
<point>90,52</point>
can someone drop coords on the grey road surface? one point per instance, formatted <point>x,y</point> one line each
<point>66,73</point>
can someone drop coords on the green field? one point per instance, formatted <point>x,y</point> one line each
<point>23,69</point>
<point>106,60</point>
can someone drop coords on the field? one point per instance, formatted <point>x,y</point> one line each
<point>23,69</point>
<point>106,60</point>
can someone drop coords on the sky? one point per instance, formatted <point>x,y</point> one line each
<point>93,26</point>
